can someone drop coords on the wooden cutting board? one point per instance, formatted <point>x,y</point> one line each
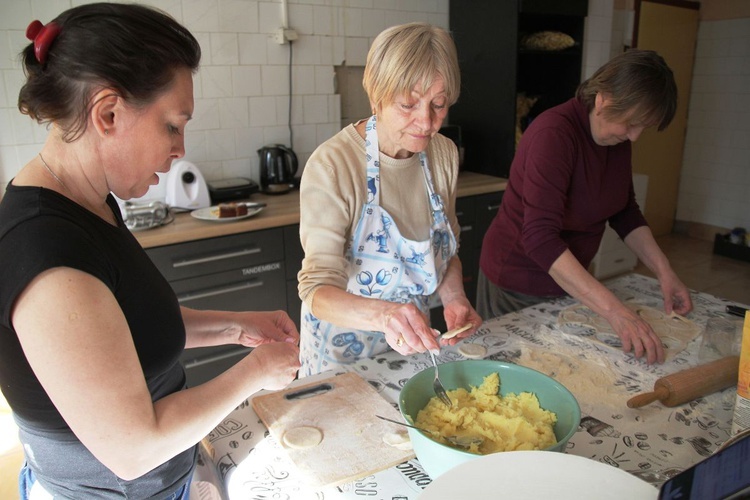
<point>343,407</point>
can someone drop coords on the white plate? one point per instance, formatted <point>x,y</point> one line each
<point>212,214</point>
<point>538,474</point>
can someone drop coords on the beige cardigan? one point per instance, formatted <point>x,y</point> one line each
<point>333,191</point>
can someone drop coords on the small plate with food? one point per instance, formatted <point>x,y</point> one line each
<point>227,212</point>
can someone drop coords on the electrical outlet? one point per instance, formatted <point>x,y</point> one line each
<point>284,35</point>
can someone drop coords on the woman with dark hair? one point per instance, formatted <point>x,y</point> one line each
<point>91,333</point>
<point>571,176</point>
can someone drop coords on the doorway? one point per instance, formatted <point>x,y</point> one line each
<point>670,27</point>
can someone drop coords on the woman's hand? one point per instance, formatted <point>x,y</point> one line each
<point>676,294</point>
<point>634,332</point>
<point>637,335</point>
<point>251,328</point>
<point>457,310</point>
<point>262,327</point>
<point>278,363</point>
<point>458,313</point>
<point>407,329</point>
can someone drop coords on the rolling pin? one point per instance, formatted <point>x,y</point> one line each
<point>690,384</point>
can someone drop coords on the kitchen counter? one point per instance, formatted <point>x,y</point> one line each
<point>652,443</point>
<point>281,210</point>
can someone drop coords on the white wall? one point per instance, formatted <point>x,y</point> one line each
<point>242,88</point>
<point>715,180</point>
<point>598,36</point>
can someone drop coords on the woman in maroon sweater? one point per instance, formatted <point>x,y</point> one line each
<point>571,175</point>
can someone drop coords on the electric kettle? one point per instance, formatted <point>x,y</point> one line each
<point>278,164</point>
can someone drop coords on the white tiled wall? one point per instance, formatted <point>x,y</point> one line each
<point>622,31</point>
<point>715,181</point>
<point>597,36</point>
<point>242,88</point>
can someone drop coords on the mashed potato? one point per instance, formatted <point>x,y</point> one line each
<point>505,423</point>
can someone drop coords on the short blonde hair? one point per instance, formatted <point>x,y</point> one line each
<point>407,55</point>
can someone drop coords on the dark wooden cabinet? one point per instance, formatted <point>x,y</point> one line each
<point>253,271</point>
<point>485,33</point>
<point>475,214</point>
<point>495,68</point>
<point>293,255</point>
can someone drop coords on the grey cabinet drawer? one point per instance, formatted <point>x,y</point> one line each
<point>487,206</point>
<point>203,257</point>
<point>292,251</point>
<point>201,365</point>
<point>294,255</point>
<point>466,215</point>
<point>253,288</point>
<point>293,302</point>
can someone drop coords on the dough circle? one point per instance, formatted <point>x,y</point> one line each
<point>399,440</point>
<point>303,437</point>
<point>472,351</point>
<point>649,314</point>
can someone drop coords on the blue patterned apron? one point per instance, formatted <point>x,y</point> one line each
<point>384,265</point>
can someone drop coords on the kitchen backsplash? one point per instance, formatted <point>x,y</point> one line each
<point>242,87</point>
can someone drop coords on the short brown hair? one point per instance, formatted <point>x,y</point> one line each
<point>407,55</point>
<point>640,87</point>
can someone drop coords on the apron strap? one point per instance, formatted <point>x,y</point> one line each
<point>372,155</point>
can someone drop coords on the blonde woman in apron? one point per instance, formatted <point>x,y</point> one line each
<point>377,235</point>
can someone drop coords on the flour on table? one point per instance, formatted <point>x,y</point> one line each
<point>586,379</point>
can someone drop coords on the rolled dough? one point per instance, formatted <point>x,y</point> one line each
<point>303,437</point>
<point>399,440</point>
<point>452,333</point>
<point>675,331</point>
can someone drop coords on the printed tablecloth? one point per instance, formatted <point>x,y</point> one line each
<point>653,442</point>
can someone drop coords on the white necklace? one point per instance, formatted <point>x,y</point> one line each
<point>52,173</point>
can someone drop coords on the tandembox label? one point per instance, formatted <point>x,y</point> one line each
<point>263,268</point>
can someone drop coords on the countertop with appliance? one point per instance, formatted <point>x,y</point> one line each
<point>652,443</point>
<point>281,210</point>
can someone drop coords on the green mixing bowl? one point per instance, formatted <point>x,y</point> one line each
<point>437,458</point>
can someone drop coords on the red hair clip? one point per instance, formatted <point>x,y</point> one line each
<point>42,36</point>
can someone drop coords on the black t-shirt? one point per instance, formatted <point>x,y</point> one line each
<point>41,229</point>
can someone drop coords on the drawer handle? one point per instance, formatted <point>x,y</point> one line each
<point>466,228</point>
<point>222,291</point>
<point>217,357</point>
<point>214,258</point>
<point>490,208</point>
